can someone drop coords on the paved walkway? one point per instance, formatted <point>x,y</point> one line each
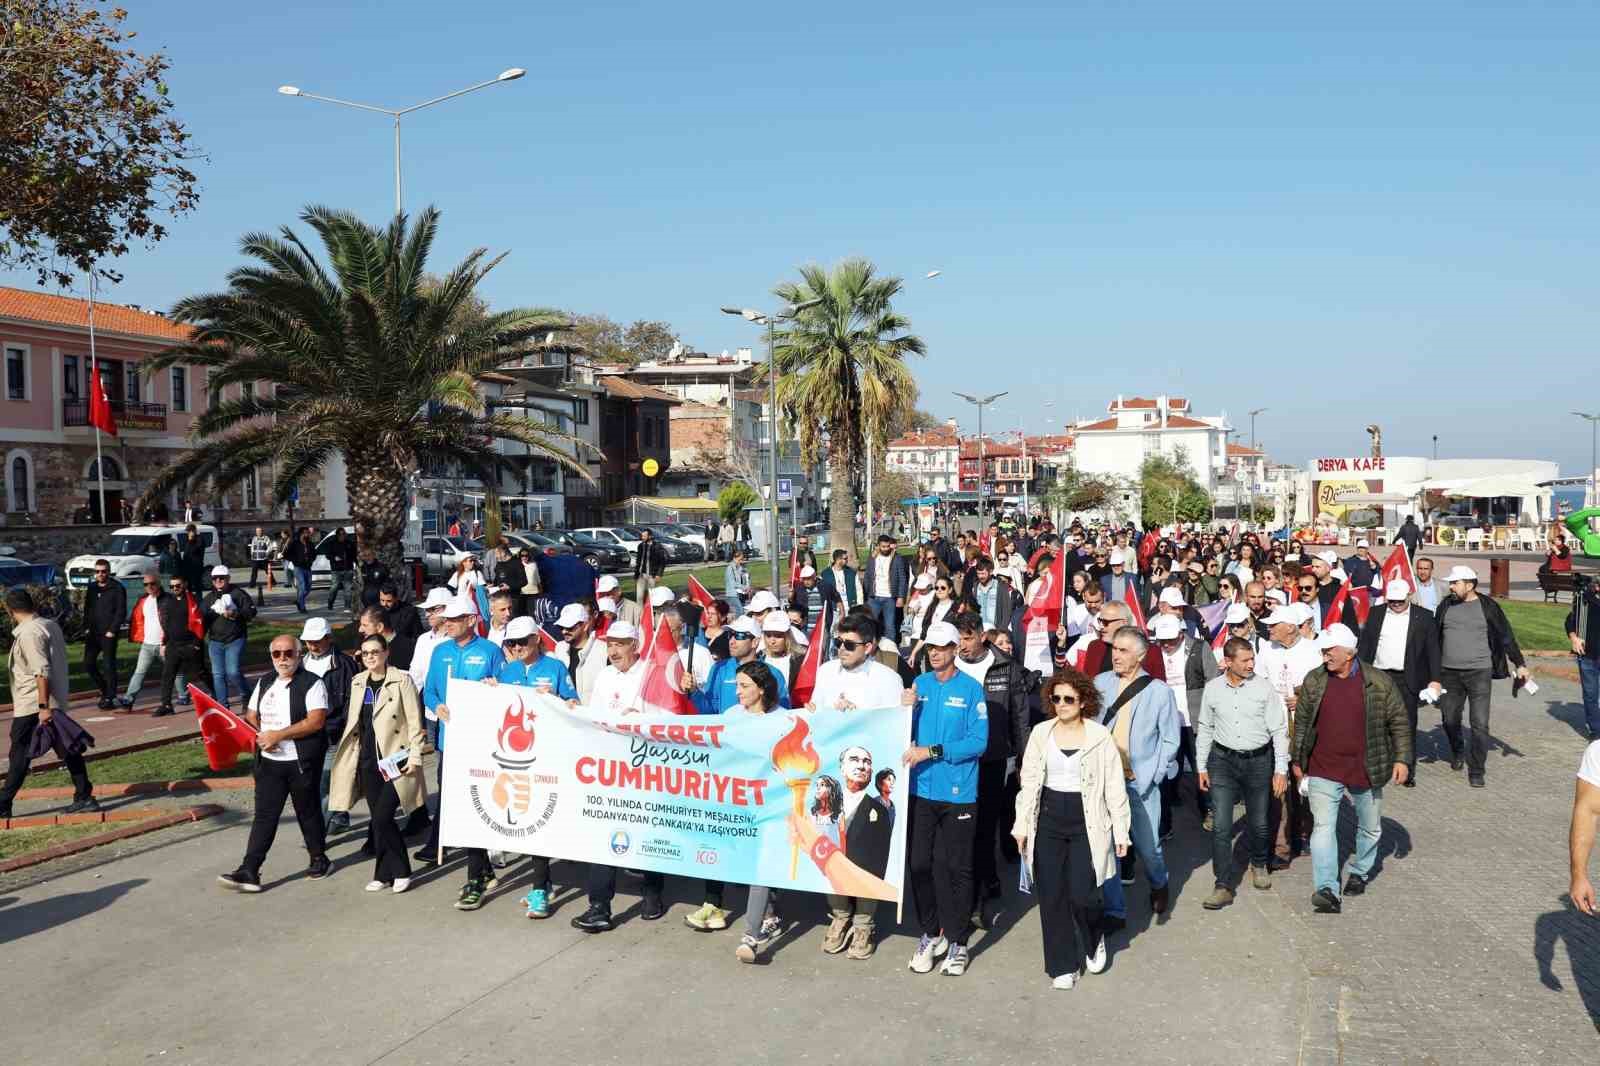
<point>1463,951</point>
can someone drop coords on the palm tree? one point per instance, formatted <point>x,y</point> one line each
<point>367,357</point>
<point>842,376</point>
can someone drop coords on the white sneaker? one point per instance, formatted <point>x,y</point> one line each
<point>922,958</point>
<point>1065,982</point>
<point>377,886</point>
<point>400,885</point>
<point>940,946</point>
<point>955,963</point>
<point>1097,961</point>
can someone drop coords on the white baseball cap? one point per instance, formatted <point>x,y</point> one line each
<point>1284,615</point>
<point>315,629</point>
<point>762,601</point>
<point>437,597</point>
<point>660,596</point>
<point>1397,590</point>
<point>1237,615</point>
<point>1278,596</point>
<point>1461,573</point>
<point>1118,557</point>
<point>1167,627</point>
<point>622,630</point>
<point>607,604</point>
<point>924,581</point>
<point>573,614</point>
<point>219,571</point>
<point>1362,544</point>
<point>1329,557</point>
<point>519,628</point>
<point>459,608</point>
<point>1337,635</point>
<point>775,622</point>
<point>808,571</point>
<point>746,625</point>
<point>1172,597</point>
<point>941,634</point>
<point>1302,613</point>
<point>606,583</point>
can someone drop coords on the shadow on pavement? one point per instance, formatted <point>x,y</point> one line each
<point>1568,923</point>
<point>47,914</point>
<point>1570,715</point>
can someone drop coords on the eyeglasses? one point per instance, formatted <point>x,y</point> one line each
<point>850,645</point>
<point>218,577</point>
<point>152,584</point>
<point>175,588</point>
<point>1063,698</point>
<point>367,653</point>
<point>741,636</point>
<point>941,588</point>
<point>284,653</point>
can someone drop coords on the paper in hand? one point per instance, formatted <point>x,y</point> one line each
<point>1024,882</point>
<point>393,766</point>
<point>223,603</point>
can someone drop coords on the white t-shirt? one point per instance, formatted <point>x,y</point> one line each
<point>497,636</point>
<point>1589,769</point>
<point>616,692</point>
<point>152,621</point>
<point>422,656</point>
<point>783,664</point>
<point>869,686</point>
<point>881,585</point>
<point>273,707</point>
<point>1284,668</point>
<point>1062,773</point>
<point>978,670</point>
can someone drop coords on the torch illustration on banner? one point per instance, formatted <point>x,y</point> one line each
<point>513,790</point>
<point>796,759</point>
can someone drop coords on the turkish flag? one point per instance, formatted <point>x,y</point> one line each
<point>1049,592</point>
<point>1335,611</point>
<point>546,641</point>
<point>1132,600</point>
<point>698,593</point>
<point>805,678</point>
<point>100,416</point>
<point>794,566</point>
<point>1362,599</point>
<point>661,692</point>
<point>1398,568</point>
<point>647,627</point>
<point>226,735</point>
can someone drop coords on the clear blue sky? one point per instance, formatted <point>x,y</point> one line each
<point>1364,213</point>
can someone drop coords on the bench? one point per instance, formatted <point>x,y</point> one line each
<point>1553,584</point>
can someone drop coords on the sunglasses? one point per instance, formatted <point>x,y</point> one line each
<point>1308,588</point>
<point>941,588</point>
<point>152,584</point>
<point>850,645</point>
<point>1059,699</point>
<point>367,653</point>
<point>521,643</point>
<point>284,653</point>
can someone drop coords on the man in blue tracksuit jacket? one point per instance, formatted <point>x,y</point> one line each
<point>720,691</point>
<point>949,732</point>
<point>471,658</point>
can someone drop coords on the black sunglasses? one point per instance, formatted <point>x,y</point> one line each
<point>284,653</point>
<point>517,643</point>
<point>850,645</point>
<point>1058,698</point>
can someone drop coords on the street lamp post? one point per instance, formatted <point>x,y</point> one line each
<point>1253,458</point>
<point>395,113</point>
<point>761,318</point>
<point>1591,494</point>
<point>980,402</point>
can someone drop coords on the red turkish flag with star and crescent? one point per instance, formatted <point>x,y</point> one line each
<point>699,593</point>
<point>1048,593</point>
<point>661,691</point>
<point>225,735</point>
<point>1398,568</point>
<point>100,416</point>
<point>805,678</point>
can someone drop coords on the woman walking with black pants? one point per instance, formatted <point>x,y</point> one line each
<point>1072,824</point>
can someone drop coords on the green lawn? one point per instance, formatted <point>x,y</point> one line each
<point>1538,626</point>
<point>255,654</point>
<point>170,762</point>
<point>14,842</point>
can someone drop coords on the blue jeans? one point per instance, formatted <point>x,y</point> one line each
<point>342,579</point>
<point>226,675</point>
<point>1325,798</point>
<point>888,616</point>
<point>1589,677</point>
<point>302,586</point>
<point>1146,812</point>
<point>1234,778</point>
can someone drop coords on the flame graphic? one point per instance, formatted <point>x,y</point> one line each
<point>794,755</point>
<point>516,730</point>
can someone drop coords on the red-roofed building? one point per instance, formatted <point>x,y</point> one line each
<point>1136,427</point>
<point>929,456</point>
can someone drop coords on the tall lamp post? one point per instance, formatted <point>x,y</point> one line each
<point>761,318</point>
<point>980,402</point>
<point>1591,494</point>
<point>395,113</point>
<point>1253,458</point>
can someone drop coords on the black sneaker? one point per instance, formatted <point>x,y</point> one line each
<point>241,880</point>
<point>320,867</point>
<point>106,703</point>
<point>425,857</point>
<point>1355,885</point>
<point>1323,901</point>
<point>88,803</point>
<point>653,909</point>
<point>1457,762</point>
<point>1475,780</point>
<point>162,712</point>
<point>596,919</point>
<point>338,821</point>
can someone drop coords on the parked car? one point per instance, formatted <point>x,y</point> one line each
<point>678,551</point>
<point>613,536</point>
<point>441,554</point>
<point>535,542</point>
<point>677,531</point>
<point>607,558</point>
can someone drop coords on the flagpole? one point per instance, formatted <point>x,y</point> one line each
<point>94,366</point>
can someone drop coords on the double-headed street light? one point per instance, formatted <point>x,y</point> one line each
<point>505,75</point>
<point>770,320</point>
<point>980,402</point>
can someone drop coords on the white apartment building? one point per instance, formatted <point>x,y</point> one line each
<point>1136,427</point>
<point>931,456</point>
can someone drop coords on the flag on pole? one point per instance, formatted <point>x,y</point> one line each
<point>661,691</point>
<point>100,416</point>
<point>1132,600</point>
<point>699,593</point>
<point>1048,593</point>
<point>225,735</point>
<point>794,567</point>
<point>1213,617</point>
<point>1335,611</point>
<point>1398,567</point>
<point>1361,600</point>
<point>647,628</point>
<point>805,678</point>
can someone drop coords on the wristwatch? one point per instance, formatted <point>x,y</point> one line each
<point>936,751</point>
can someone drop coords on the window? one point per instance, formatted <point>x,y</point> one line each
<point>702,488</point>
<point>69,377</point>
<point>580,412</point>
<point>248,390</point>
<point>252,490</point>
<point>180,388</point>
<point>19,481</point>
<point>106,465</point>
<point>131,375</point>
<point>16,374</point>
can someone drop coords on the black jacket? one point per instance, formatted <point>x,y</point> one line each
<point>1502,642</point>
<point>337,682</point>
<point>1422,647</point>
<point>867,835</point>
<point>340,553</point>
<point>1005,690</point>
<point>1410,536</point>
<point>651,559</point>
<point>226,630</point>
<point>174,615</point>
<point>1591,634</point>
<point>1326,594</point>
<point>948,554</point>
<point>104,610</point>
<point>300,553</point>
<point>405,620</point>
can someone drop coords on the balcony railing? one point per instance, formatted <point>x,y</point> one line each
<point>146,416</point>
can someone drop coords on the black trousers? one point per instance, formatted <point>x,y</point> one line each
<point>1169,788</point>
<point>186,658</point>
<point>997,810</point>
<point>389,845</point>
<point>1237,776</point>
<point>1065,883</point>
<point>277,781</point>
<point>1409,695</point>
<point>95,646</point>
<point>941,866</point>
<point>21,740</point>
<point>602,885</point>
<point>1467,687</point>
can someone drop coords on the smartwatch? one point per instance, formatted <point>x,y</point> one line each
<point>936,751</point>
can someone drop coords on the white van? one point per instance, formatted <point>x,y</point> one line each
<point>134,551</point>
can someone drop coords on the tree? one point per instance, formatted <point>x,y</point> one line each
<point>1075,492</point>
<point>914,419</point>
<point>365,360</point>
<point>600,337</point>
<point>90,150</point>
<point>733,499</point>
<point>842,376</point>
<point>1169,491</point>
<point>645,341</point>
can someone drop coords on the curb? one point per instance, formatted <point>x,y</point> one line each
<point>148,825</point>
<point>144,788</point>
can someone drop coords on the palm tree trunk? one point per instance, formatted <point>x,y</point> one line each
<point>376,484</point>
<point>841,506</point>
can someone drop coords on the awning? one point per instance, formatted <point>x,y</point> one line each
<point>919,501</point>
<point>698,504</point>
<point>1375,498</point>
<point>1492,485</point>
